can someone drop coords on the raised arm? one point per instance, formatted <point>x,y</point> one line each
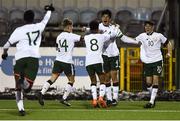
<point>49,9</point>
<point>46,17</point>
<point>127,39</point>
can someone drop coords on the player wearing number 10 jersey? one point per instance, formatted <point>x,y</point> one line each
<point>28,39</point>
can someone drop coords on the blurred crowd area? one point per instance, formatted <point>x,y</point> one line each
<point>129,14</point>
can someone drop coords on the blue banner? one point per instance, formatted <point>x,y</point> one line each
<point>46,65</point>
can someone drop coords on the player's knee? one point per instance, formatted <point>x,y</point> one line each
<point>27,85</point>
<point>71,81</point>
<point>148,85</point>
<point>27,90</point>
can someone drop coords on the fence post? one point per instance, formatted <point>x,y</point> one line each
<point>122,69</point>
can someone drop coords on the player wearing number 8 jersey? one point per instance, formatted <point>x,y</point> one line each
<point>94,63</point>
<point>63,62</point>
<point>28,39</point>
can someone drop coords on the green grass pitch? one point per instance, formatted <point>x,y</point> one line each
<point>82,110</point>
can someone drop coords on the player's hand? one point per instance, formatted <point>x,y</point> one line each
<point>49,7</point>
<point>168,55</point>
<point>4,56</point>
<point>83,29</point>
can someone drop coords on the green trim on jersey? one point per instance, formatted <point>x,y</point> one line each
<point>151,69</point>
<point>95,68</point>
<point>110,63</point>
<point>60,67</point>
<point>28,67</point>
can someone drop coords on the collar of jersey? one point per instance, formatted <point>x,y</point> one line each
<point>149,33</point>
<point>67,31</point>
<point>106,25</point>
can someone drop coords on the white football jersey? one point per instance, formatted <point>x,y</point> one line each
<point>65,42</point>
<point>150,50</point>
<point>94,46</point>
<point>111,48</point>
<point>28,38</point>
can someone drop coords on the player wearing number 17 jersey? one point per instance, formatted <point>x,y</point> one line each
<point>63,62</point>
<point>28,39</point>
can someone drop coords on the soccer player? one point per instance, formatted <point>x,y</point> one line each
<point>63,62</point>
<point>111,60</point>
<point>28,39</point>
<point>111,56</point>
<point>94,42</point>
<point>151,56</point>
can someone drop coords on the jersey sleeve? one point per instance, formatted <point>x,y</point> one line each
<point>14,37</point>
<point>76,37</point>
<point>45,20</point>
<point>139,38</point>
<point>163,38</point>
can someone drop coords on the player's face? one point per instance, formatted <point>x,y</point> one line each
<point>149,28</point>
<point>106,19</point>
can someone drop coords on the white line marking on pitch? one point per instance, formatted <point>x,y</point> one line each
<point>104,110</point>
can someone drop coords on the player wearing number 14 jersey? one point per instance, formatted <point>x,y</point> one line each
<point>28,39</point>
<point>63,62</point>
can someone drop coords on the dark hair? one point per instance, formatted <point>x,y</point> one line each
<point>149,22</point>
<point>29,16</point>
<point>94,25</point>
<point>108,12</point>
<point>66,22</point>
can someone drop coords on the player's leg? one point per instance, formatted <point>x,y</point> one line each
<point>148,75</point>
<point>107,69</point>
<point>149,83</point>
<point>91,73</point>
<point>19,76</point>
<point>102,89</point>
<point>19,95</point>
<point>47,84</point>
<point>55,74</point>
<point>70,73</point>
<point>156,72</point>
<point>148,72</point>
<point>25,72</point>
<point>154,89</point>
<point>114,75</point>
<point>94,90</point>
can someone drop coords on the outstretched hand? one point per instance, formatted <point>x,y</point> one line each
<point>49,7</point>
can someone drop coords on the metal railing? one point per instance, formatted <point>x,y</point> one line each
<point>131,71</point>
